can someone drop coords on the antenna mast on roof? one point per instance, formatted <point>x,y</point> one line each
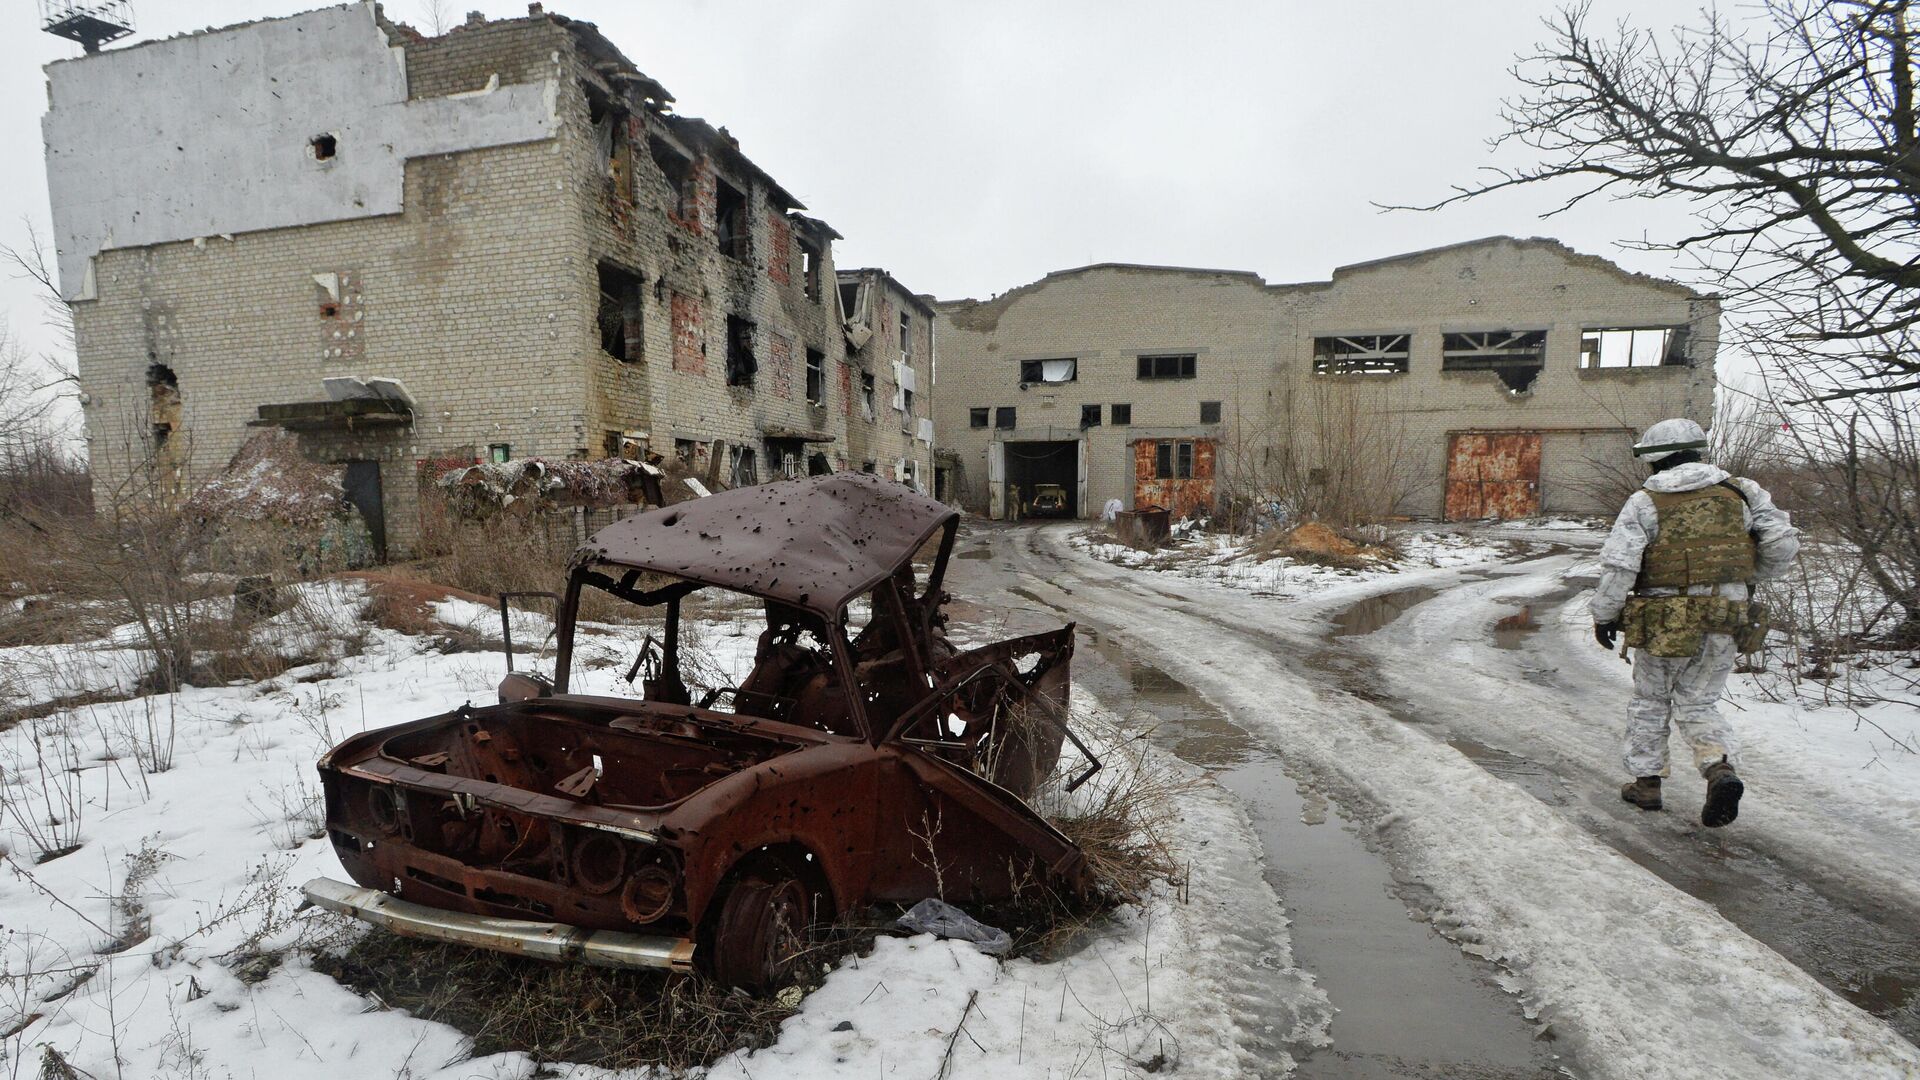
<point>92,23</point>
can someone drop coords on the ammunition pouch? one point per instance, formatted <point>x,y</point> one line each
<point>1677,626</point>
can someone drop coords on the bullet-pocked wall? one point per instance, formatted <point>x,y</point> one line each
<point>1566,352</point>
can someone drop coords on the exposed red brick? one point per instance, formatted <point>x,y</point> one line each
<point>689,343</point>
<point>780,253</point>
<point>780,366</point>
<point>846,389</point>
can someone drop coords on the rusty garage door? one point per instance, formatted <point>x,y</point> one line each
<point>1493,474</point>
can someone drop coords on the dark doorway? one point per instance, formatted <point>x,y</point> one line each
<point>363,492</point>
<point>1036,469</point>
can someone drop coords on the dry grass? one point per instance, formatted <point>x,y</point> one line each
<point>1317,545</point>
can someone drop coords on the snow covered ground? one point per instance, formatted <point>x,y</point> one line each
<point>1641,978</point>
<point>1226,560</point>
<point>165,943</point>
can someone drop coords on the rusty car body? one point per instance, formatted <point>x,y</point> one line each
<point>863,760</point>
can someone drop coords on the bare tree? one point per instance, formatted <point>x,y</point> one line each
<point>1794,137</point>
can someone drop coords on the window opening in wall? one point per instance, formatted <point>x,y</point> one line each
<point>620,313</point>
<point>740,359</point>
<point>686,450</point>
<point>1089,416</point>
<point>866,467</point>
<point>1623,347</point>
<point>499,452</point>
<point>816,377</point>
<point>610,139</point>
<point>849,300</point>
<point>1517,356</point>
<point>1209,412</point>
<point>1361,354</point>
<point>163,409</point>
<point>866,395</point>
<point>906,409</point>
<point>1173,460</point>
<point>730,227</point>
<point>810,270</point>
<point>677,168</point>
<point>978,418</point>
<point>741,471</point>
<point>1170,366</point>
<point>906,334</point>
<point>323,147</point>
<point>1003,417</point>
<point>1050,371</point>
<point>1120,415</point>
<point>818,465</point>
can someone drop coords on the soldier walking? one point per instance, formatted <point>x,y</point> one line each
<point>1675,579</point>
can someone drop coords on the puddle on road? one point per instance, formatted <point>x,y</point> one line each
<point>1410,1002</point>
<point>1374,612</point>
<point>1512,632</point>
<point>974,553</point>
<point>1531,776</point>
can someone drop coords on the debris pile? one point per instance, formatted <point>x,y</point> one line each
<point>535,484</point>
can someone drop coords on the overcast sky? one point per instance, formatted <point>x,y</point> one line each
<point>972,147</point>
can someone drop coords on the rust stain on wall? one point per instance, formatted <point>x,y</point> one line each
<point>1493,474</point>
<point>1184,496</point>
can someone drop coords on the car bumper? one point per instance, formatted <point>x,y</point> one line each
<point>524,937</point>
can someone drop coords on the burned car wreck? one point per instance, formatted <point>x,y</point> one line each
<point>863,759</point>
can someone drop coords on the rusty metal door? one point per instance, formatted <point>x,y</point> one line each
<point>1493,474</point>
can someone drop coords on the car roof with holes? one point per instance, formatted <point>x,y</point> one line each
<point>814,543</point>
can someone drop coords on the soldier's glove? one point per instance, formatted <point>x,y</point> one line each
<point>1605,633</point>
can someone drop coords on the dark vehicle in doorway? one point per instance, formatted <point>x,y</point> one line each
<point>864,759</point>
<point>1049,500</point>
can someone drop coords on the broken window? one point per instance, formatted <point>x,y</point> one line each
<point>1120,415</point>
<point>163,409</point>
<point>323,147</point>
<point>978,418</point>
<point>1172,366</point>
<point>866,467</point>
<point>816,377</point>
<point>677,168</point>
<point>499,452</point>
<point>741,471</point>
<point>1173,460</point>
<point>906,409</point>
<point>866,395</point>
<point>730,226</point>
<point>740,360</point>
<point>1209,412</point>
<point>818,465</point>
<point>620,313</point>
<point>1089,416</point>
<point>810,269</point>
<point>686,450</point>
<point>1622,347</point>
<point>1361,354</point>
<point>906,334</point>
<point>1517,356</point>
<point>610,140</point>
<point>849,300</point>
<point>1003,417</point>
<point>1049,371</point>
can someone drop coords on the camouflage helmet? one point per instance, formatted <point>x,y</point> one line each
<point>1669,437</point>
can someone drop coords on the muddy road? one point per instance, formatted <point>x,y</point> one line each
<point>1412,1002</point>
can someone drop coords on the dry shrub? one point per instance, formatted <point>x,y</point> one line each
<point>613,1019</point>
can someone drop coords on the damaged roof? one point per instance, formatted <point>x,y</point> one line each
<point>814,543</point>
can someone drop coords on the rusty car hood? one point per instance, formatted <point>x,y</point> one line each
<point>814,543</point>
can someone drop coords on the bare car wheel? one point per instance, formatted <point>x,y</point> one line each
<point>761,930</point>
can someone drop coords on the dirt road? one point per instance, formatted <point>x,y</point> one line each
<point>1463,760</point>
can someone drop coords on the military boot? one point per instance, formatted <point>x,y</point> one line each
<point>1643,793</point>
<point>1723,795</point>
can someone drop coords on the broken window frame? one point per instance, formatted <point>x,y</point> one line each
<point>677,167</point>
<point>741,362</point>
<point>621,314</point>
<point>1035,372</point>
<point>906,409</point>
<point>499,452</point>
<point>1166,365</point>
<point>866,396</point>
<point>1173,459</point>
<point>1120,415</point>
<point>979,417</point>
<point>1671,347</point>
<point>1362,354</point>
<point>816,378</point>
<point>906,334</point>
<point>608,121</point>
<point>1209,412</point>
<point>811,260</point>
<point>1004,418</point>
<point>1089,416</point>
<point>1517,356</point>
<point>732,229</point>
<point>741,468</point>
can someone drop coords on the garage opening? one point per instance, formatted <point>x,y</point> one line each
<point>1044,478</point>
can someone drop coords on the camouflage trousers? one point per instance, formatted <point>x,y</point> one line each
<point>1684,691</point>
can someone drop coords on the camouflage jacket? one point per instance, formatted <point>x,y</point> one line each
<point>1638,524</point>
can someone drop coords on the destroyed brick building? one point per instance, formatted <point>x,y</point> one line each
<point>415,252</point>
<point>1505,377</point>
<point>889,377</point>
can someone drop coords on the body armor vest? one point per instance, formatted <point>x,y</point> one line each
<point>1702,540</point>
